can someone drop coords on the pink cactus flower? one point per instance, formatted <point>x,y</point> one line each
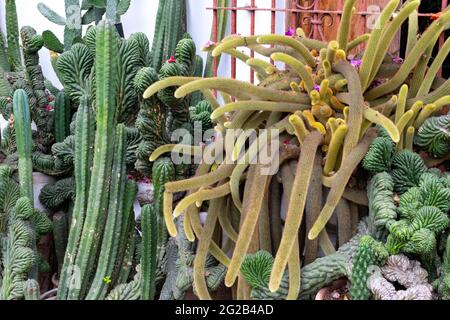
<point>172,59</point>
<point>48,108</point>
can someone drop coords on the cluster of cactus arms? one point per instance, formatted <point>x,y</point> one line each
<point>105,231</point>
<point>327,106</point>
<point>78,14</point>
<point>162,115</point>
<point>30,78</point>
<point>21,224</point>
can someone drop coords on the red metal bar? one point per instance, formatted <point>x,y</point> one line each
<point>273,20</point>
<point>252,32</point>
<point>233,31</point>
<point>214,39</point>
<point>294,16</point>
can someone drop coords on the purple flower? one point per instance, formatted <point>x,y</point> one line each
<point>356,63</point>
<point>209,44</point>
<point>397,60</point>
<point>290,32</point>
<point>317,87</point>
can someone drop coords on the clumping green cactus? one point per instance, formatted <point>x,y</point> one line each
<point>434,136</point>
<point>102,233</point>
<point>161,115</point>
<point>19,252</point>
<point>370,253</point>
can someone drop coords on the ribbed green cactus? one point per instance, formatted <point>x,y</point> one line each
<point>370,253</point>
<point>12,28</point>
<point>106,85</point>
<point>22,126</point>
<point>434,136</point>
<point>114,221</point>
<point>382,209</point>
<point>62,117</point>
<point>18,255</point>
<point>170,26</point>
<point>84,137</point>
<point>149,222</point>
<point>4,63</point>
<point>60,227</point>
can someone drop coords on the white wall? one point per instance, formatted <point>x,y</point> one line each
<point>141,17</point>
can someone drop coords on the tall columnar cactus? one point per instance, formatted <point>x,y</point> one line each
<point>22,126</point>
<point>149,222</point>
<point>106,84</point>
<point>115,221</point>
<point>12,28</point>
<point>40,110</point>
<point>62,117</point>
<point>170,26</point>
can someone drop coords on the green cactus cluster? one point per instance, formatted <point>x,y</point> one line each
<point>370,253</point>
